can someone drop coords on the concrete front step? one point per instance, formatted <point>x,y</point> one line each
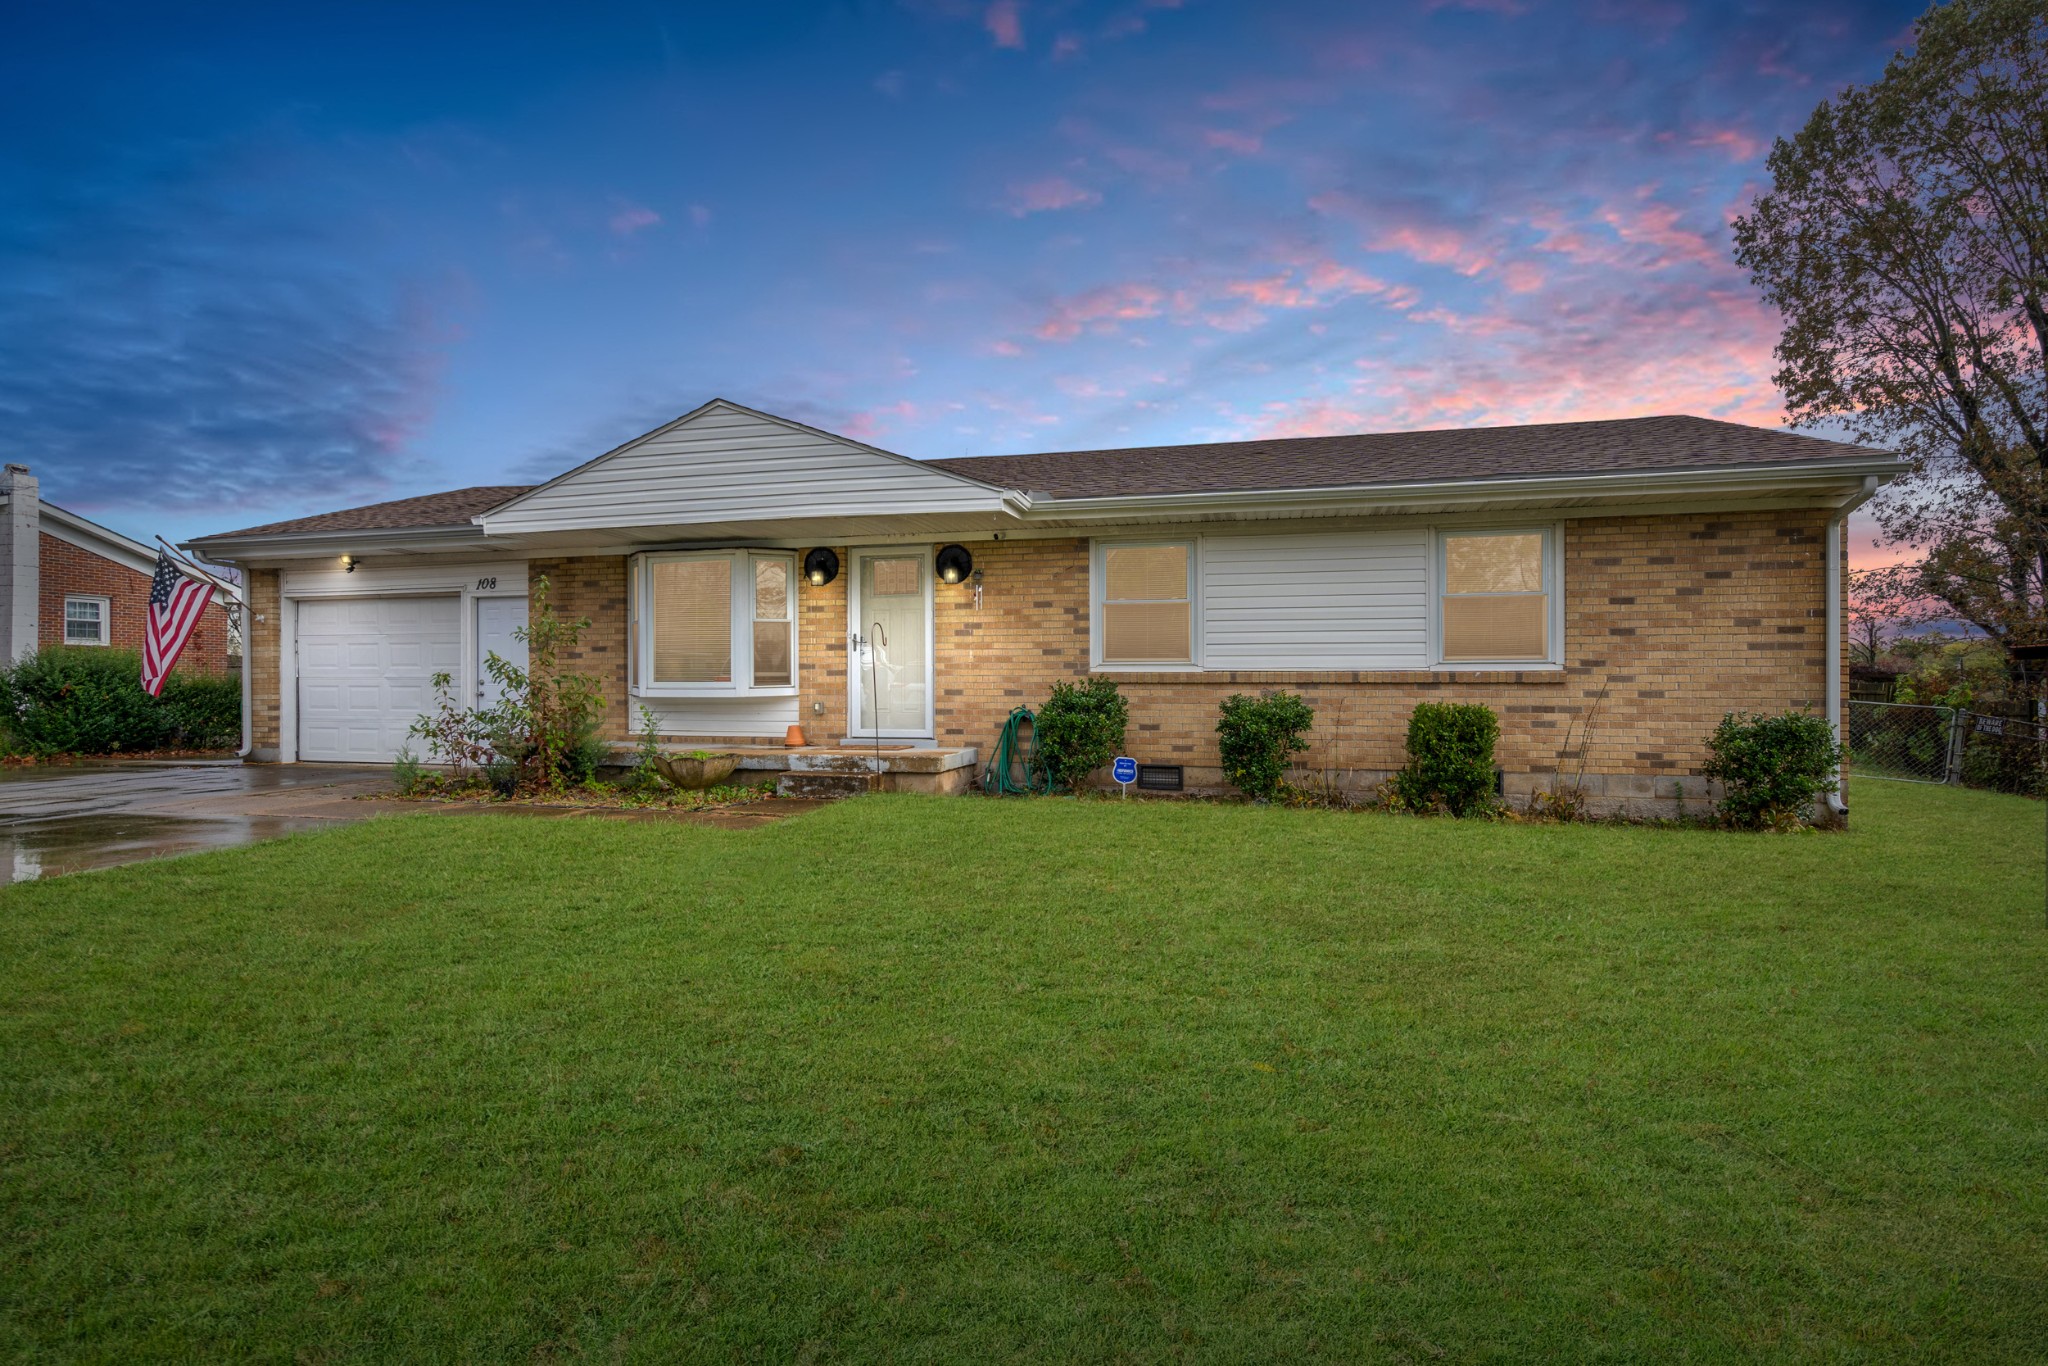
<point>826,785</point>
<point>861,768</point>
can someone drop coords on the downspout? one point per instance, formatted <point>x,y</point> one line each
<point>1836,522</point>
<point>248,661</point>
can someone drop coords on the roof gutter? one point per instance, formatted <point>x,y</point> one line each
<point>304,544</point>
<point>1666,482</point>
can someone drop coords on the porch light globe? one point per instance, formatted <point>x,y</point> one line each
<point>821,566</point>
<point>954,563</point>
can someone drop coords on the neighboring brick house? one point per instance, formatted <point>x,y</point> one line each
<point>66,580</point>
<point>1609,588</point>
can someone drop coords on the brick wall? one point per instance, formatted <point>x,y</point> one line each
<point>594,586</point>
<point>66,569</point>
<point>1669,623</point>
<point>265,663</point>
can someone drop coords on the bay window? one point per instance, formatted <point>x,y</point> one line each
<point>716,622</point>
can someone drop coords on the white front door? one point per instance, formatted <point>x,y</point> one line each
<point>496,620</point>
<point>366,669</point>
<point>890,629</point>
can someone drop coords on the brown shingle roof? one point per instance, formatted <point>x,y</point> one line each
<point>1306,462</point>
<point>453,508</point>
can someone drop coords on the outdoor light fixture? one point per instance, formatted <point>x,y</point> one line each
<point>821,566</point>
<point>348,564</point>
<point>954,563</point>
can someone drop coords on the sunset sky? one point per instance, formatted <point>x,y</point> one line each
<point>259,261</point>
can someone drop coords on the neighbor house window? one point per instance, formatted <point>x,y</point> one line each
<point>719,621</point>
<point>1496,600</point>
<point>85,621</point>
<point>1144,603</point>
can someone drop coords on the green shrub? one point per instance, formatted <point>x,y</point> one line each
<point>1259,735</point>
<point>205,710</point>
<point>82,700</point>
<point>1079,729</point>
<point>1450,758</point>
<point>1772,769</point>
<point>544,733</point>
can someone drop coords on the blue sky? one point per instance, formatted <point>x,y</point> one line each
<point>263,260</point>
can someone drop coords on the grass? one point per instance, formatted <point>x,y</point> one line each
<point>965,1080</point>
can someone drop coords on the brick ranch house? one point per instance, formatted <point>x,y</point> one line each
<point>1612,585</point>
<point>66,580</point>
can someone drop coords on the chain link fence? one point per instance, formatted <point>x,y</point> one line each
<point>1919,744</point>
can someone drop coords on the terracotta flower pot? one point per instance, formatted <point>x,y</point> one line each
<point>793,738</point>
<point>695,773</point>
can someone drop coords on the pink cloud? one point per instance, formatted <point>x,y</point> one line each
<point>630,218</point>
<point>1066,47</point>
<point>1047,196</point>
<point>1651,223</point>
<point>1739,146</point>
<point>1101,309</point>
<point>1231,140</point>
<point>1005,23</point>
<point>1389,229</point>
<point>1522,277</point>
<point>1005,347</point>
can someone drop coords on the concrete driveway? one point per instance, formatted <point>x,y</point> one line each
<point>91,815</point>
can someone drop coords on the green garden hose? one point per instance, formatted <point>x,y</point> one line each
<point>1016,754</point>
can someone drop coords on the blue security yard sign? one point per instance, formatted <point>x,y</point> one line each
<point>1125,771</point>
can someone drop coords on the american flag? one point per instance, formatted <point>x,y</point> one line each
<point>176,603</point>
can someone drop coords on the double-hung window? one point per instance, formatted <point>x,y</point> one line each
<point>85,621</point>
<point>1498,590</point>
<point>716,622</point>
<point>1144,604</point>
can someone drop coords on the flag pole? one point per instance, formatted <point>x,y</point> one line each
<point>193,565</point>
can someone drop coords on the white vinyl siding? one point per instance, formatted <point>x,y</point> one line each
<point>722,465</point>
<point>1324,600</point>
<point>754,715</point>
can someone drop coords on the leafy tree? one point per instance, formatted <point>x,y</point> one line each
<point>1904,239</point>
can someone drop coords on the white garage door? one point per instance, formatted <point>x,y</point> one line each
<point>365,671</point>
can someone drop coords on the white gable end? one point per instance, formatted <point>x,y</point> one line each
<point>725,464</point>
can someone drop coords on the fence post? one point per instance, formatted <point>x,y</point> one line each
<point>1952,772</point>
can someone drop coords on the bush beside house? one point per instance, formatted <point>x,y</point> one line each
<point>63,700</point>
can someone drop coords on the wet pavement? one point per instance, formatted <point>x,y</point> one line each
<point>61,819</point>
<point>66,818</point>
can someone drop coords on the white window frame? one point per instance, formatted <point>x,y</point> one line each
<point>1098,580</point>
<point>106,606</point>
<point>742,609</point>
<point>1553,590</point>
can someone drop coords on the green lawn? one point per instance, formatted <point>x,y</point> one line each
<point>959,1080</point>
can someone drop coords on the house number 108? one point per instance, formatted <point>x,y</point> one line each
<point>486,585</point>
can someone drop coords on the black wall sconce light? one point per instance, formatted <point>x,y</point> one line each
<point>348,564</point>
<point>821,566</point>
<point>954,563</point>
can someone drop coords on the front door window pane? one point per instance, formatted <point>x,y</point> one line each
<point>895,656</point>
